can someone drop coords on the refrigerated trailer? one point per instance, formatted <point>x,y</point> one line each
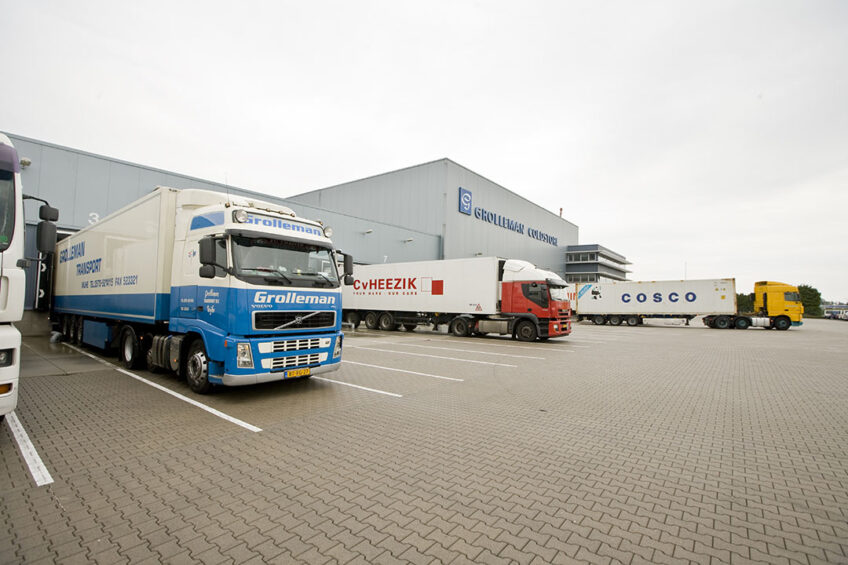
<point>631,302</point>
<point>474,296</point>
<point>776,305</point>
<point>220,289</point>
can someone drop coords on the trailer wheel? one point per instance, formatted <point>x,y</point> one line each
<point>371,320</point>
<point>742,323</point>
<point>67,333</point>
<point>460,327</point>
<point>615,320</point>
<point>387,323</point>
<point>197,368</point>
<point>526,331</point>
<point>353,319</point>
<point>599,320</point>
<point>632,321</point>
<point>721,323</point>
<point>79,322</point>
<point>129,349</point>
<point>782,323</point>
<point>410,327</point>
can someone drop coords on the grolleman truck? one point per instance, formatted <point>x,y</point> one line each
<point>632,302</point>
<point>220,289</point>
<point>474,296</point>
<point>12,265</point>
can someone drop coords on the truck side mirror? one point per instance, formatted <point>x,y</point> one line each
<point>45,236</point>
<point>348,280</point>
<point>48,213</point>
<point>207,272</point>
<point>207,251</point>
<point>348,267</point>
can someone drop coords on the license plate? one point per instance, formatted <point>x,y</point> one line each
<point>296,373</point>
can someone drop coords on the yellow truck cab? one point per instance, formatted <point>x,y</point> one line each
<point>780,302</point>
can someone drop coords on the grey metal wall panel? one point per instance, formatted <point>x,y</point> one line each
<point>467,236</point>
<point>57,181</point>
<point>92,192</point>
<point>411,198</point>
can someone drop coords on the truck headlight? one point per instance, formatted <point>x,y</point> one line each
<point>240,216</point>
<point>244,357</point>
<point>6,356</point>
<point>337,352</point>
<point>328,231</point>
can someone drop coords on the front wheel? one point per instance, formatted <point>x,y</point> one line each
<point>526,331</point>
<point>353,319</point>
<point>197,368</point>
<point>782,323</point>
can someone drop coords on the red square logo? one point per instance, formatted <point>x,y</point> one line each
<point>438,287</point>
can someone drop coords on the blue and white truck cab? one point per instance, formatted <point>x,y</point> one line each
<point>221,289</point>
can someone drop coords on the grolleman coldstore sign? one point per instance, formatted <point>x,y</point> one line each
<point>466,207</point>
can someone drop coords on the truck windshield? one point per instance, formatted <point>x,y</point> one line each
<point>272,261</point>
<point>7,208</point>
<point>559,293</point>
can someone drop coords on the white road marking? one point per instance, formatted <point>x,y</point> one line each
<point>403,371</point>
<point>503,343</point>
<point>466,350</point>
<point>37,469</point>
<point>166,390</point>
<point>358,386</point>
<point>432,356</point>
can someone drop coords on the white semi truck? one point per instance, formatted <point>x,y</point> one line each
<point>12,268</point>
<point>220,289</point>
<point>477,295</point>
<point>631,302</point>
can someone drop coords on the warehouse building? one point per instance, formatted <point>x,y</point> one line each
<point>436,210</point>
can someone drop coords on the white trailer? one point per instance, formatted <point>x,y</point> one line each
<point>633,301</point>
<point>477,295</point>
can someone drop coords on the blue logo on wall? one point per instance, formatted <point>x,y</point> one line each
<point>464,201</point>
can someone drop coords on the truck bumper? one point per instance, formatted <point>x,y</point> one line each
<point>256,378</point>
<point>10,338</point>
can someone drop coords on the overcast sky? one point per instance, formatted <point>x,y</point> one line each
<point>698,139</point>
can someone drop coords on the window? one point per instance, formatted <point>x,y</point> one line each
<point>792,297</point>
<point>536,293</point>
<point>7,209</point>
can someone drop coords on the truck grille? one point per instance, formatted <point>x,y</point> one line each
<point>272,320</point>
<point>295,361</point>
<point>293,345</point>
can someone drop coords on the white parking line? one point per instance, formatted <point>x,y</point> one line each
<point>177,395</point>
<point>432,356</point>
<point>37,469</point>
<point>465,350</point>
<point>403,371</point>
<point>358,386</point>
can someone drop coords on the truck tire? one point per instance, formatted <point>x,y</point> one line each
<point>460,327</point>
<point>79,324</point>
<point>526,330</point>
<point>387,322</point>
<point>782,323</point>
<point>129,348</point>
<point>615,320</point>
<point>67,333</point>
<point>632,321</point>
<point>599,320</point>
<point>742,323</point>
<point>353,319</point>
<point>197,368</point>
<point>371,320</point>
<point>721,323</point>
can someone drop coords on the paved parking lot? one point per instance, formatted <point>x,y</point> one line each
<point>656,444</point>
